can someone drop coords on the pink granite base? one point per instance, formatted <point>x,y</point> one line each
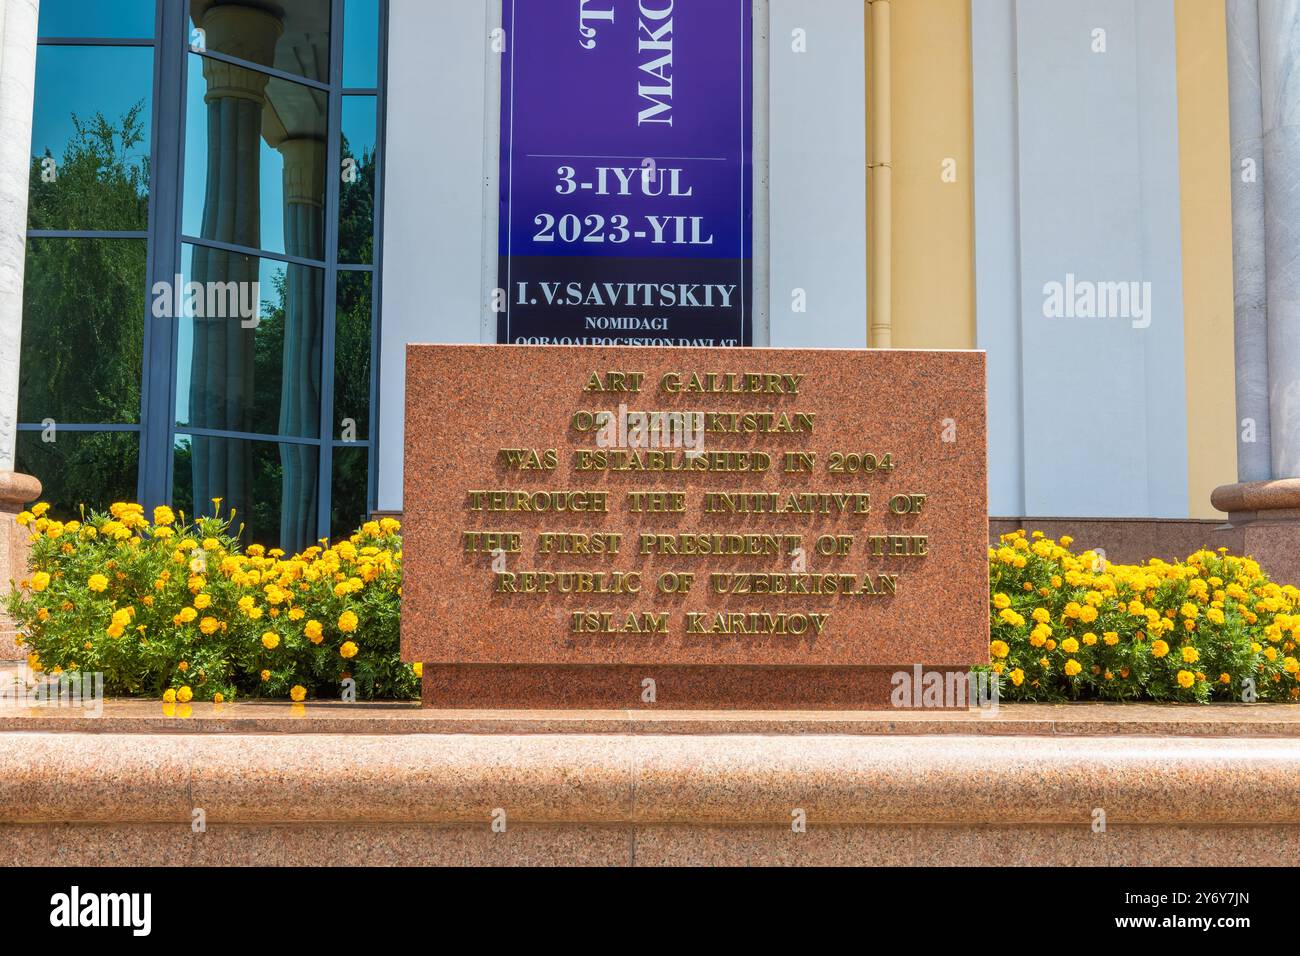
<point>653,845</point>
<point>523,687</point>
<point>16,491</point>
<point>1018,788</point>
<point>1263,523</point>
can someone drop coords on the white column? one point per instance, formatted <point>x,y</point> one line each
<point>1254,461</point>
<point>1279,61</point>
<point>17,80</point>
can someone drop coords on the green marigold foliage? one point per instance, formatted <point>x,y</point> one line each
<point>1076,627</point>
<point>177,609</point>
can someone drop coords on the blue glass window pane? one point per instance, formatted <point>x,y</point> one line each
<point>83,331</point>
<point>357,192</point>
<point>254,160</point>
<point>348,497</point>
<point>249,348</point>
<point>272,487</point>
<point>91,138</point>
<point>352,348</point>
<point>361,44</point>
<point>93,469</point>
<point>292,36</point>
<point>109,19</point>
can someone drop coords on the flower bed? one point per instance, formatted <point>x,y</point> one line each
<point>1067,626</point>
<point>176,609</point>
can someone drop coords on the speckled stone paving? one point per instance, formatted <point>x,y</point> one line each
<point>465,404</point>
<point>336,784</point>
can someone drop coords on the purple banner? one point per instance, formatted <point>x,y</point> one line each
<point>626,172</point>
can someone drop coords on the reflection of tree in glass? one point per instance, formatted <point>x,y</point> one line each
<point>83,313</point>
<point>352,341</point>
<point>357,208</point>
<point>101,182</point>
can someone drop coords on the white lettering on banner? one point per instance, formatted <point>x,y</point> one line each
<point>655,36</point>
<point>588,32</point>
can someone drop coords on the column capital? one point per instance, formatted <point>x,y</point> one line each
<point>304,170</point>
<point>248,33</point>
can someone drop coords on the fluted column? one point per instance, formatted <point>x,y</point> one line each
<point>300,388</point>
<point>17,83</point>
<point>1279,61</point>
<point>1254,461</point>
<point>222,372</point>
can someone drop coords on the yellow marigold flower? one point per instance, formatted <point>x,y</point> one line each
<point>1186,679</point>
<point>1042,615</point>
<point>209,625</point>
<point>162,515</point>
<point>1159,648</point>
<point>390,525</point>
<point>348,650</point>
<point>270,640</point>
<point>187,614</point>
<point>999,649</point>
<point>40,581</point>
<point>1017,676</point>
<point>202,600</point>
<point>296,614</point>
<point>1224,678</point>
<point>116,630</point>
<point>266,675</point>
<point>1291,665</point>
<point>1069,645</point>
<point>1090,638</point>
<point>122,617</point>
<point>97,583</point>
<point>40,508</point>
<point>1111,638</point>
<point>418,669</point>
<point>1190,655</point>
<point>1087,614</point>
<point>1215,615</point>
<point>25,518</point>
<point>184,695</point>
<point>218,698</point>
<point>1072,667</point>
<point>169,696</point>
<point>298,693</point>
<point>347,622</point>
<point>314,631</point>
<point>1001,601</point>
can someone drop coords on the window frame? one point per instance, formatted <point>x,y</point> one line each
<point>165,238</point>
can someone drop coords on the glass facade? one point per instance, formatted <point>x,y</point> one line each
<point>201,291</point>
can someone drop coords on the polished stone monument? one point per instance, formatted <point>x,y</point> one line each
<point>688,528</point>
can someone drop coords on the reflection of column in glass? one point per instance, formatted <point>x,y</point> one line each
<point>304,236</point>
<point>221,376</point>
